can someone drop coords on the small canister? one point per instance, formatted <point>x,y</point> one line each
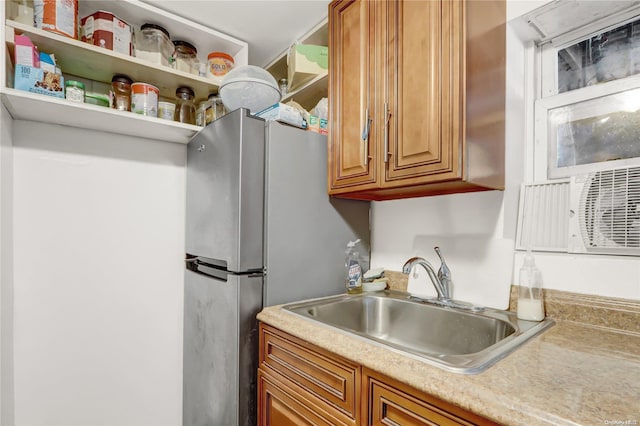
<point>121,92</point>
<point>185,57</point>
<point>217,107</point>
<point>144,99</point>
<point>74,91</point>
<point>220,63</point>
<point>153,44</point>
<point>203,110</point>
<point>185,107</point>
<point>166,110</point>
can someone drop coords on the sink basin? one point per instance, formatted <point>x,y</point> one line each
<point>456,340</point>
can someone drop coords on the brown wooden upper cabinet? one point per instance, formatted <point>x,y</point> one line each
<point>416,97</point>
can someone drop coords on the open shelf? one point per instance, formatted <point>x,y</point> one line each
<point>35,107</point>
<point>95,63</point>
<point>309,93</point>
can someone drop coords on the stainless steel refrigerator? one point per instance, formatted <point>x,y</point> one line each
<point>260,231</point>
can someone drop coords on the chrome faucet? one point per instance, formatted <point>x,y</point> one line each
<point>441,281</point>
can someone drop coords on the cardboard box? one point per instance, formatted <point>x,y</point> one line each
<point>284,114</point>
<point>305,62</point>
<point>318,125</point>
<point>36,80</point>
<point>25,52</point>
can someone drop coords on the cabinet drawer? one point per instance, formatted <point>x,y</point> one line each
<point>280,405</point>
<point>325,375</point>
<point>392,403</point>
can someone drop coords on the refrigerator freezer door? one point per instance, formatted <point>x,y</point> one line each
<point>220,348</point>
<point>306,231</point>
<point>225,192</point>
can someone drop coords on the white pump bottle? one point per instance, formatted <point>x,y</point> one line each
<point>530,304</point>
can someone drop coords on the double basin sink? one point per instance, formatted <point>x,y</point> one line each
<point>453,339</point>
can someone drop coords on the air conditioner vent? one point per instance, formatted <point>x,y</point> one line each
<point>544,216</point>
<point>609,211</point>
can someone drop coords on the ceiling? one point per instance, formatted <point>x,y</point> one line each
<point>268,26</point>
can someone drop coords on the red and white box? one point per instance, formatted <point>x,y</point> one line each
<point>106,30</point>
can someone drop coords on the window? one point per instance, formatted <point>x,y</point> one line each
<point>588,114</point>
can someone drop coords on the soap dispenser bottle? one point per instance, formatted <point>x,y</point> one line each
<point>353,280</point>
<point>530,304</point>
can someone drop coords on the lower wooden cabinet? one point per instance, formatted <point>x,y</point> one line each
<point>301,384</point>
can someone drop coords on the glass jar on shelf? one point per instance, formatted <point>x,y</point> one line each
<point>217,107</point>
<point>185,57</point>
<point>153,44</point>
<point>201,113</point>
<point>185,106</point>
<point>121,92</point>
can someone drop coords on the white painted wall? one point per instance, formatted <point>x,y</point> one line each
<point>6,269</point>
<point>477,231</point>
<point>98,248</point>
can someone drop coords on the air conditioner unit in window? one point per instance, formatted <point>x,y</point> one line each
<point>596,213</point>
<point>605,212</point>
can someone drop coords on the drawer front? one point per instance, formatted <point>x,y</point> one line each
<point>280,405</point>
<point>315,370</point>
<point>392,403</point>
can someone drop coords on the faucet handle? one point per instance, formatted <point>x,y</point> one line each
<point>444,273</point>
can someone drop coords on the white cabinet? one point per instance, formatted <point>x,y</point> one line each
<point>90,62</point>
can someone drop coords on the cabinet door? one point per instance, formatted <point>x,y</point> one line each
<point>422,91</point>
<point>352,134</point>
<point>280,406</point>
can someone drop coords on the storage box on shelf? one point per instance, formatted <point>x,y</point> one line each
<point>95,63</point>
<point>310,92</point>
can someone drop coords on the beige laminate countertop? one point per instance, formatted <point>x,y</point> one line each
<point>570,374</point>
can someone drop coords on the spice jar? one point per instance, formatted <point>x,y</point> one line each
<point>202,112</point>
<point>74,91</point>
<point>185,107</point>
<point>153,44</point>
<point>121,92</point>
<point>217,107</point>
<point>185,57</point>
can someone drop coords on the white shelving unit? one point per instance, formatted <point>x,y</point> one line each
<point>97,64</point>
<point>312,91</point>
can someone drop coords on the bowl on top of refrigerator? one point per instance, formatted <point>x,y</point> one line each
<point>250,87</point>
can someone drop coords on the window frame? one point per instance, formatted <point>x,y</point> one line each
<point>548,98</point>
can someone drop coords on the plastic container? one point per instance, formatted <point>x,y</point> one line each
<point>530,305</point>
<point>185,57</point>
<point>153,44</point>
<point>21,11</point>
<point>74,91</point>
<point>121,92</point>
<point>144,99</point>
<point>97,99</point>
<point>185,107</point>
<point>355,257</point>
<point>57,16</point>
<point>220,64</point>
<point>166,110</point>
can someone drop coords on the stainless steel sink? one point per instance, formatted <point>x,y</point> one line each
<point>457,340</point>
